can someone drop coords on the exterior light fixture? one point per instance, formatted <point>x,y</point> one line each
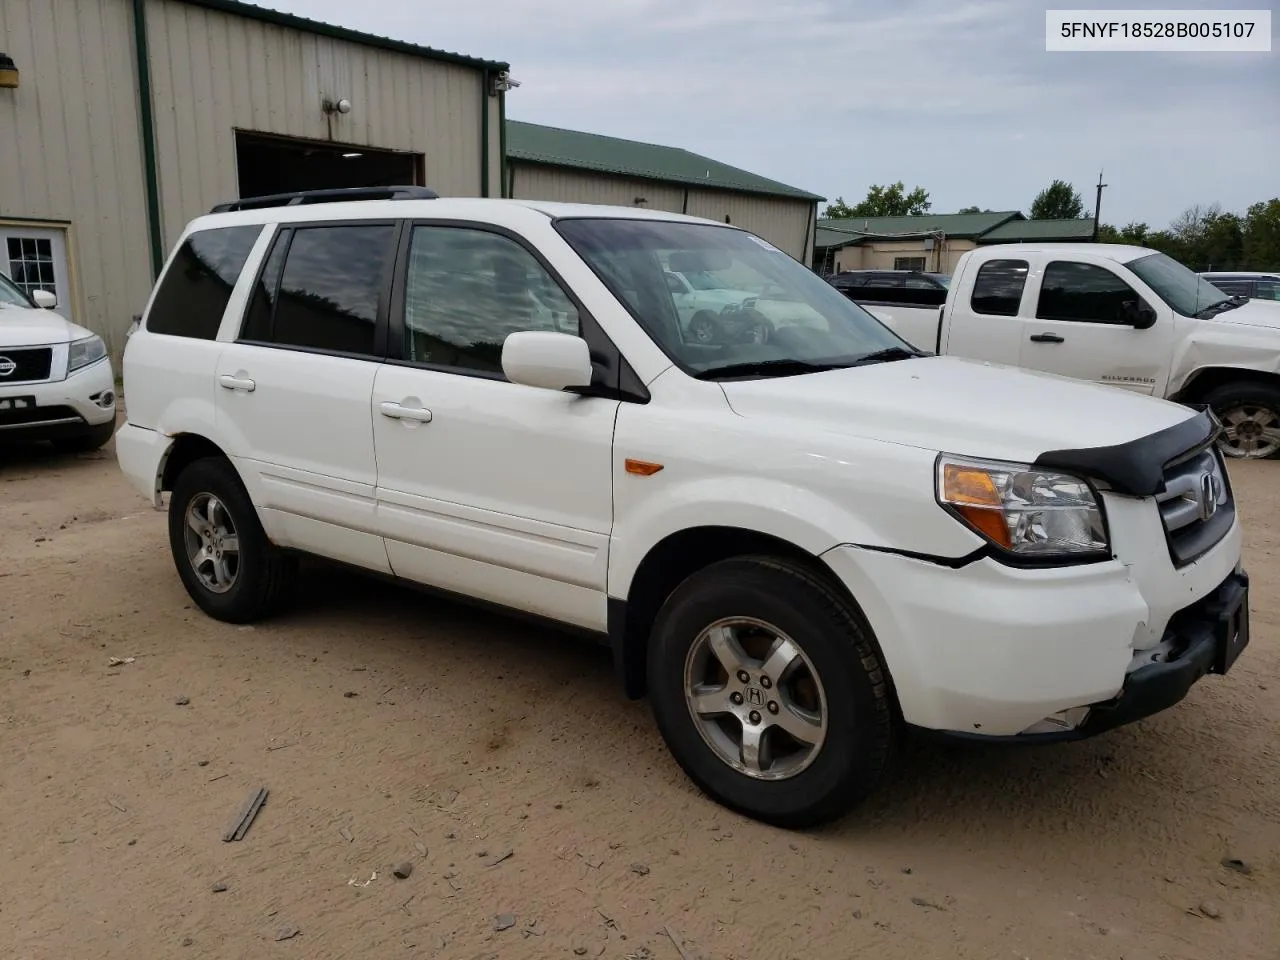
<point>502,82</point>
<point>336,106</point>
<point>8,72</point>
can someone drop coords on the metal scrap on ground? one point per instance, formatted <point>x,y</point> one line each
<point>240,826</point>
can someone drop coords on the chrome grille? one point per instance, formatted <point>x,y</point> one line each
<point>1196,505</point>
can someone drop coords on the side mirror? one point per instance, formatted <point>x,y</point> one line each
<point>44,299</point>
<point>552,361</point>
<point>1138,315</point>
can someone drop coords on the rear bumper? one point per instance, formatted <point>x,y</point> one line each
<point>64,408</point>
<point>141,454</point>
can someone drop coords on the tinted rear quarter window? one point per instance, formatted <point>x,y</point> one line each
<point>320,288</point>
<point>997,291</point>
<point>195,290</point>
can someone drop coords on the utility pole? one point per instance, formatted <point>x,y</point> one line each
<point>1097,207</point>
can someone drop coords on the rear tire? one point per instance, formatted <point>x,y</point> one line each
<point>835,693</point>
<point>229,567</point>
<point>1250,414</point>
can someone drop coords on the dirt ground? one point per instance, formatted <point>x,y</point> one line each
<point>503,763</point>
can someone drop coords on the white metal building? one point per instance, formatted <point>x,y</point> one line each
<point>548,163</point>
<point>120,120</point>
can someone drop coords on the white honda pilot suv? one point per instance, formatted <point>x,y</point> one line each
<point>801,547</point>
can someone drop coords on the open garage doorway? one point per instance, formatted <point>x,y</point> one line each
<point>268,165</point>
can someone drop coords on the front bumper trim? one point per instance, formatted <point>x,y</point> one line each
<point>1210,636</point>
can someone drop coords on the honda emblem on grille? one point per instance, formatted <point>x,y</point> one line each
<point>7,366</point>
<point>1210,494</point>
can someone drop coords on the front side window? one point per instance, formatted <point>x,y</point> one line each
<point>466,290</point>
<point>326,296</point>
<point>196,288</point>
<point>1085,293</point>
<point>997,291</point>
<point>761,308</point>
<point>1267,290</point>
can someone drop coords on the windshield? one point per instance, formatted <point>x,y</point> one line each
<point>753,304</point>
<point>1186,292</point>
<point>944,279</point>
<point>10,295</point>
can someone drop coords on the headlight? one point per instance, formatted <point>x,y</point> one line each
<point>84,352</point>
<point>1028,512</point>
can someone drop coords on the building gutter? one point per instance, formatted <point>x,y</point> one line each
<point>143,56</point>
<point>484,133</point>
<point>805,256</point>
<point>502,143</point>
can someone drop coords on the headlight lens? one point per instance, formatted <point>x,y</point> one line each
<point>84,352</point>
<point>1026,511</point>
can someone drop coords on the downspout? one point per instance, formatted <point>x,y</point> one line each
<point>805,257</point>
<point>502,143</point>
<point>484,133</point>
<point>143,57</point>
<point>685,207</point>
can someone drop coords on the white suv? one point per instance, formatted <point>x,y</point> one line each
<point>56,382</point>
<point>800,549</point>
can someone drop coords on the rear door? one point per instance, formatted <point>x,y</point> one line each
<point>293,390</point>
<point>983,322</point>
<point>1081,326</point>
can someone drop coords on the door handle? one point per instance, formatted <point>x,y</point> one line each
<point>1046,338</point>
<point>397,412</point>
<point>237,383</point>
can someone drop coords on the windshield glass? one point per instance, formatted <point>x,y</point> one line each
<point>751,303</point>
<point>10,295</point>
<point>1186,292</point>
<point>943,278</point>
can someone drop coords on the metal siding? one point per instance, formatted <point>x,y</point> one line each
<point>536,182</point>
<point>782,222</point>
<point>69,149</point>
<point>215,73</point>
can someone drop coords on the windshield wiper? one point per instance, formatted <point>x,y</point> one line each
<point>884,356</point>
<point>767,368</point>
<point>1222,306</point>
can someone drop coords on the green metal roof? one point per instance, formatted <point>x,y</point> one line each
<point>841,231</point>
<point>281,19</point>
<point>1023,231</point>
<point>534,143</point>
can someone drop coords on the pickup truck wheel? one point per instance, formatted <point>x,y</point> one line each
<point>1250,415</point>
<point>769,691</point>
<point>704,327</point>
<point>229,567</point>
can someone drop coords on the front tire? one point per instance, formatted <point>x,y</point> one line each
<point>808,733</point>
<point>229,567</point>
<point>1250,415</point>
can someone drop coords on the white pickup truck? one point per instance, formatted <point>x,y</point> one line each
<point>1123,316</point>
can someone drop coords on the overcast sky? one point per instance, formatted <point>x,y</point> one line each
<point>958,96</point>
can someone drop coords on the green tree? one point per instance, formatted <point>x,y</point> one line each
<point>1262,236</point>
<point>1058,201</point>
<point>890,201</point>
<point>1134,233</point>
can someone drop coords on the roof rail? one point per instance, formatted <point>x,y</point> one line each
<point>327,196</point>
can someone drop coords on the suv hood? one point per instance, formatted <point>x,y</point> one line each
<point>1255,313</point>
<point>28,327</point>
<point>958,406</point>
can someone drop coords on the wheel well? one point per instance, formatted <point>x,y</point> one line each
<point>1203,381</point>
<point>186,449</point>
<point>668,565</point>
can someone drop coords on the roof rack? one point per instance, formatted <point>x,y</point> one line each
<point>327,196</point>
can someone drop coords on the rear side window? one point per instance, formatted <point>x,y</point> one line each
<point>1085,293</point>
<point>195,290</point>
<point>320,288</point>
<point>997,291</point>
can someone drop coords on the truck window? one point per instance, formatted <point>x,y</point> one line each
<point>997,291</point>
<point>1083,292</point>
<point>1268,290</point>
<point>1234,287</point>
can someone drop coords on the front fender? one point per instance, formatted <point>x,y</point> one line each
<point>1230,348</point>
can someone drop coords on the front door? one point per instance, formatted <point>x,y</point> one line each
<point>487,488</point>
<point>35,258</point>
<point>1081,327</point>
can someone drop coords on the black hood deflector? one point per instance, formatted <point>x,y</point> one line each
<point>1137,467</point>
